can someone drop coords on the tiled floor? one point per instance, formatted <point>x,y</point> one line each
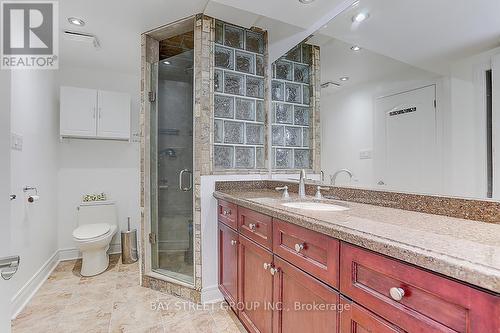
<point>114,302</point>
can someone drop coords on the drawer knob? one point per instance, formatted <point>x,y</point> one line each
<point>299,247</point>
<point>233,242</point>
<point>226,212</point>
<point>266,266</point>
<point>397,294</point>
<point>252,226</point>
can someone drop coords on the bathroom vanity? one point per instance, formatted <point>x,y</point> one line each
<point>363,269</point>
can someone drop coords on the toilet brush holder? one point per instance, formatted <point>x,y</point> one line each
<point>129,245</point>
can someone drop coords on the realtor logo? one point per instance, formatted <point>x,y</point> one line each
<point>29,34</point>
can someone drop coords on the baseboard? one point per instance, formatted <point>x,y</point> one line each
<point>211,295</point>
<point>24,295</point>
<point>69,254</point>
<point>73,253</point>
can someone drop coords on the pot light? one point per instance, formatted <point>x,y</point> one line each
<point>356,48</point>
<point>76,21</point>
<point>166,62</point>
<point>360,17</point>
<point>344,78</point>
<point>306,2</point>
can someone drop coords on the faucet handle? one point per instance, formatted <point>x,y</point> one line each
<point>285,192</point>
<point>318,192</point>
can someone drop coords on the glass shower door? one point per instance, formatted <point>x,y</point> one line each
<point>171,168</point>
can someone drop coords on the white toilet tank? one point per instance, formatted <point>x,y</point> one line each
<point>97,212</point>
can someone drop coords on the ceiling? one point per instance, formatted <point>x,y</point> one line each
<point>338,60</point>
<point>428,34</point>
<point>424,33</point>
<point>118,24</point>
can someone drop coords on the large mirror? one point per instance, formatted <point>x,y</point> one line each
<point>410,97</point>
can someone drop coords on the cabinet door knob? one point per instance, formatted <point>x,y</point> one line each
<point>397,294</point>
<point>273,270</point>
<point>252,226</point>
<point>233,242</point>
<point>266,266</point>
<point>299,247</point>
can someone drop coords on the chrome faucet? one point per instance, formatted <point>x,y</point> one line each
<point>302,184</point>
<point>333,177</point>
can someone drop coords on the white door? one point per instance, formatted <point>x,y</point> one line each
<point>5,293</point>
<point>405,143</point>
<point>78,112</point>
<point>114,115</point>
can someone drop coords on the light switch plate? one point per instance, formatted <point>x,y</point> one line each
<point>16,141</point>
<point>365,154</point>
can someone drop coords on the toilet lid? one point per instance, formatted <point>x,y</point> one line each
<point>88,231</point>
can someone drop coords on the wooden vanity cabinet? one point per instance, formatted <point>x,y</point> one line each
<point>302,303</point>
<point>272,280</point>
<point>412,298</point>
<point>255,286</point>
<point>356,319</point>
<point>228,264</point>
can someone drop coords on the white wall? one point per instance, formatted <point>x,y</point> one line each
<point>35,116</point>
<point>5,235</point>
<point>94,166</point>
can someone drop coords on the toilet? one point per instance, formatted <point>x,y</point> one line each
<point>97,224</point>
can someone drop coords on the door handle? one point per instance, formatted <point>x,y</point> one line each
<point>9,266</point>
<point>181,180</point>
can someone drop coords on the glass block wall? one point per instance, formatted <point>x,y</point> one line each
<point>239,112</point>
<point>291,111</point>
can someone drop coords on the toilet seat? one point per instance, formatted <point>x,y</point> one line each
<point>91,231</point>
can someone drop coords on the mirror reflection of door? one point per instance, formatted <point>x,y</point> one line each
<point>405,143</point>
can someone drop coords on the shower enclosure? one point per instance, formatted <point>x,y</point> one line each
<point>171,137</point>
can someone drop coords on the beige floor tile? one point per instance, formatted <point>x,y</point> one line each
<point>113,302</point>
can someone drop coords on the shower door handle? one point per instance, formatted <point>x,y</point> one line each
<point>181,180</point>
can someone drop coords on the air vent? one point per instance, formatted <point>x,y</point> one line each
<point>330,84</point>
<point>82,37</point>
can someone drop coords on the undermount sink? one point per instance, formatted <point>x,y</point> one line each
<point>317,206</point>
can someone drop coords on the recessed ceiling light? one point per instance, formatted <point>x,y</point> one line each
<point>355,48</point>
<point>344,78</point>
<point>360,17</point>
<point>306,2</point>
<point>166,62</point>
<point>76,21</point>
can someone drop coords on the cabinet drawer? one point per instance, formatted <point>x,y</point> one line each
<point>227,213</point>
<point>356,319</point>
<point>311,251</point>
<point>421,301</point>
<point>256,226</point>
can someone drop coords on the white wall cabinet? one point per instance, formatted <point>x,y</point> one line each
<point>94,114</point>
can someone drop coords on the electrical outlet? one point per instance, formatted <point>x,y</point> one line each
<point>16,141</point>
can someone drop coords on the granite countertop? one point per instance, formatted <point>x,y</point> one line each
<point>466,250</point>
